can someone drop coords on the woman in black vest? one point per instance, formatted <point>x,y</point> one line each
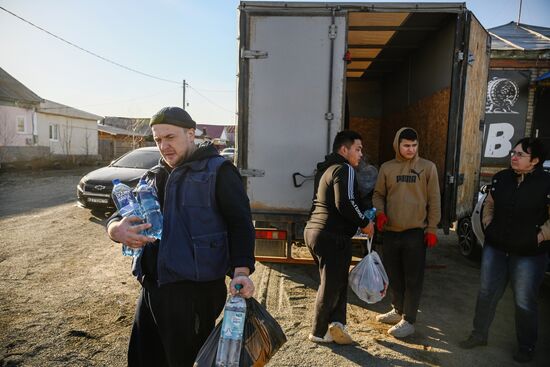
<point>517,234</point>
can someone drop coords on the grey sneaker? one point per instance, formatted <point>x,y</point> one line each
<point>391,317</point>
<point>401,329</point>
<point>326,339</point>
<point>339,333</point>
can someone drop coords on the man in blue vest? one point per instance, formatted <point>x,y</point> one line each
<point>207,234</point>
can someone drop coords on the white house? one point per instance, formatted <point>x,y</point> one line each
<point>31,127</point>
<point>66,130</point>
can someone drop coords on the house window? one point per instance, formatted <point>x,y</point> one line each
<point>21,126</point>
<point>54,132</point>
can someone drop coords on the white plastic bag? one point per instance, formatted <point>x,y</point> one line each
<point>368,279</point>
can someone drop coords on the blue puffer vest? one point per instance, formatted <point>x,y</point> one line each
<point>194,244</point>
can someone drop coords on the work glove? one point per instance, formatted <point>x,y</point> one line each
<point>381,221</point>
<point>430,240</point>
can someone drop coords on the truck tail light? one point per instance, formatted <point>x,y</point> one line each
<point>270,234</point>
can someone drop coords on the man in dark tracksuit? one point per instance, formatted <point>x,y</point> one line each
<point>207,234</point>
<point>333,220</point>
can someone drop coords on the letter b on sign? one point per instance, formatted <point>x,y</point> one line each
<point>499,140</point>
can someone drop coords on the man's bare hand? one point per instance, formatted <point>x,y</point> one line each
<point>368,230</point>
<point>247,289</point>
<point>241,277</point>
<point>127,231</point>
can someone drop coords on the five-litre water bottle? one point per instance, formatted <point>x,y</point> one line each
<point>127,206</point>
<point>231,338</point>
<point>147,198</point>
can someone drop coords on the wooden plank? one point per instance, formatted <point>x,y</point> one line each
<point>369,38</point>
<point>357,19</point>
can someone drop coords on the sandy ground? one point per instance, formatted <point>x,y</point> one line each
<point>67,296</point>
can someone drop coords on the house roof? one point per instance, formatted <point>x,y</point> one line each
<point>112,130</point>
<point>54,108</point>
<point>13,90</point>
<point>213,131</point>
<point>129,124</point>
<point>519,36</point>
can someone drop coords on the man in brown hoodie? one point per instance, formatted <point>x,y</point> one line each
<point>408,203</point>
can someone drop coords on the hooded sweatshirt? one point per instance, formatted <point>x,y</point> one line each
<point>334,207</point>
<point>407,192</point>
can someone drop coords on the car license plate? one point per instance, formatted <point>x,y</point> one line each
<point>98,200</point>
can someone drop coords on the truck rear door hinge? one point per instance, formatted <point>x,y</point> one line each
<point>252,172</point>
<point>253,54</point>
<point>332,30</point>
<point>460,57</point>
<point>471,58</point>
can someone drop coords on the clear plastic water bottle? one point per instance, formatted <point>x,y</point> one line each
<point>147,198</point>
<point>231,338</point>
<point>127,206</point>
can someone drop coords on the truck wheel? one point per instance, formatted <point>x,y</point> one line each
<point>467,242</point>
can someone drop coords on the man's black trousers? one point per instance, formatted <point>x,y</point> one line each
<point>404,258</point>
<point>173,321</point>
<point>332,253</point>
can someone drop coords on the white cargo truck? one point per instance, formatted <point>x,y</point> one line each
<point>309,70</point>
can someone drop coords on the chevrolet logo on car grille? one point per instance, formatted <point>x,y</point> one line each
<point>99,187</point>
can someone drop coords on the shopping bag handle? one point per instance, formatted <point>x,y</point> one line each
<point>369,244</point>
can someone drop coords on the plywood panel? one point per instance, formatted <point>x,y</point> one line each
<point>430,118</point>
<point>376,19</point>
<point>369,128</point>
<point>474,111</point>
<point>354,74</point>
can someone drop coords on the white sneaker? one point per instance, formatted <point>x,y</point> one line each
<point>402,329</point>
<point>391,317</point>
<point>339,333</point>
<point>326,339</point>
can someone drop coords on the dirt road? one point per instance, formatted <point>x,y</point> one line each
<point>67,296</point>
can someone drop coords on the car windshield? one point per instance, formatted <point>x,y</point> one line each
<point>138,159</point>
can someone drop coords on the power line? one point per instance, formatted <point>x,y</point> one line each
<point>90,52</point>
<point>209,100</point>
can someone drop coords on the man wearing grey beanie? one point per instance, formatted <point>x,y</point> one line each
<point>207,234</point>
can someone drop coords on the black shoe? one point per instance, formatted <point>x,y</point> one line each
<point>524,355</point>
<point>472,342</point>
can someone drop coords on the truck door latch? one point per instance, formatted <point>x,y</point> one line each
<point>295,176</point>
<point>332,30</point>
<point>252,172</point>
<point>253,54</point>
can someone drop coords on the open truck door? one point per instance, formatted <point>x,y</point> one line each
<point>288,66</point>
<point>466,119</point>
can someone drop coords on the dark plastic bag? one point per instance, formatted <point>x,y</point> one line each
<point>262,338</point>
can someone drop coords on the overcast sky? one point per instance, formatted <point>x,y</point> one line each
<point>169,39</point>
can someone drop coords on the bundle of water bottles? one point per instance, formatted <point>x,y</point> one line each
<point>141,202</point>
<point>247,336</point>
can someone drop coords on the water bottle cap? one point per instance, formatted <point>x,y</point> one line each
<point>238,287</point>
<point>116,181</point>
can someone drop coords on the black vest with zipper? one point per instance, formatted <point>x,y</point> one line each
<point>519,212</point>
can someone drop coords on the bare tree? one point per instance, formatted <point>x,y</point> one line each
<point>7,135</point>
<point>65,138</point>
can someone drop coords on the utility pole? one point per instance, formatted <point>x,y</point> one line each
<point>184,84</point>
<point>519,15</point>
